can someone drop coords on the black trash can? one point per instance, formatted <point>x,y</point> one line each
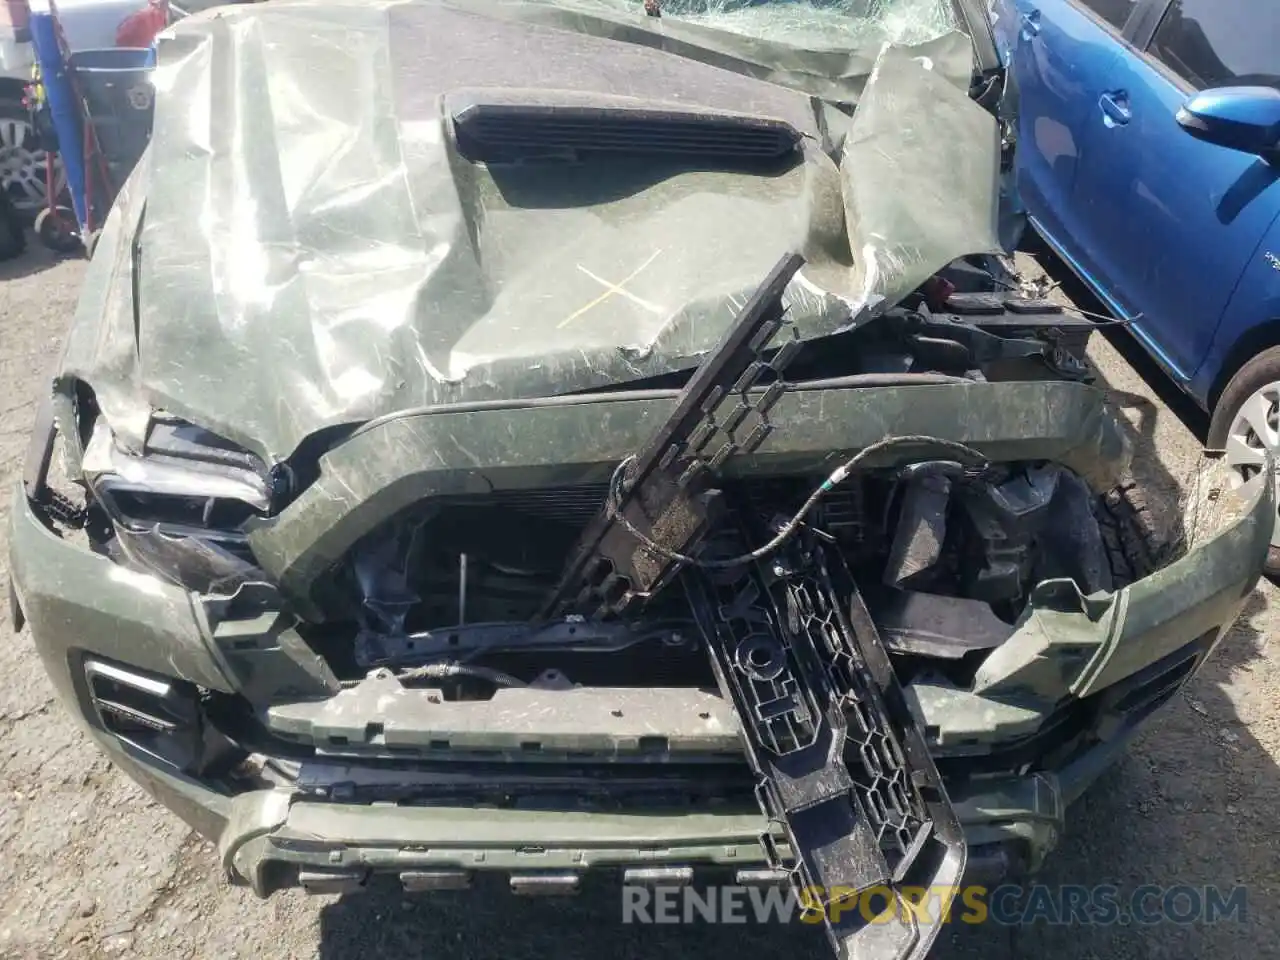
<point>120,100</point>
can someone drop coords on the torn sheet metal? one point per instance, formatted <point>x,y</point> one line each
<point>315,251</point>
<point>914,136</point>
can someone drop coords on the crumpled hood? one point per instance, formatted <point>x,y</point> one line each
<point>315,251</point>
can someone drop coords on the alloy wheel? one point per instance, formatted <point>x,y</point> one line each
<point>1255,432</point>
<point>23,163</point>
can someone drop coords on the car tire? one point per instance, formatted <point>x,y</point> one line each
<point>1129,534</point>
<point>1229,428</point>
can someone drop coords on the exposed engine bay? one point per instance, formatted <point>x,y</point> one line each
<point>948,555</point>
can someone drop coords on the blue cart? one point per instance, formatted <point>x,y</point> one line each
<point>97,109</point>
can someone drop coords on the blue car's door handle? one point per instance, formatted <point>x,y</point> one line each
<point>1115,107</point>
<point>1031,23</point>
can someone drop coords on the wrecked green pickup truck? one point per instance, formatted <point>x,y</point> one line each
<point>556,438</point>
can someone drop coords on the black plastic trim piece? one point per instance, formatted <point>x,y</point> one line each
<point>842,766</point>
<point>668,493</point>
<point>496,129</point>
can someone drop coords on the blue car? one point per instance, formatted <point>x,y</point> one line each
<point>1148,158</point>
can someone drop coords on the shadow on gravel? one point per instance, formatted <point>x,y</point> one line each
<point>1191,806</point>
<point>35,259</point>
<point>489,923</point>
<point>1188,806</point>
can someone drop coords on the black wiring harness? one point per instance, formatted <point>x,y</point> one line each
<point>617,490</point>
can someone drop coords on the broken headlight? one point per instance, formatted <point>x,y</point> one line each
<point>181,506</point>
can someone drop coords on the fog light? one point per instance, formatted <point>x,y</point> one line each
<point>156,715</point>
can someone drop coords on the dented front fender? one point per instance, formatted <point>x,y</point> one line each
<point>1072,645</point>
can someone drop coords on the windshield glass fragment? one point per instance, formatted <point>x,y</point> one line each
<point>821,25</point>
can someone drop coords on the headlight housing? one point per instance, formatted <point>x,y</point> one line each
<point>182,507</point>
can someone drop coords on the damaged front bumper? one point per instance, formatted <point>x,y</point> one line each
<point>1114,657</point>
<point>333,847</point>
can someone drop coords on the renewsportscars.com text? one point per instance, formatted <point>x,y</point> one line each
<point>1007,905</point>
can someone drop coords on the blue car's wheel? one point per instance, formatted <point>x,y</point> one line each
<point>1246,427</point>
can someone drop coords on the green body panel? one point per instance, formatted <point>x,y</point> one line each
<point>310,294</point>
<point>268,660</point>
<point>76,600</point>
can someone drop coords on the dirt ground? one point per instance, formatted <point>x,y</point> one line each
<point>90,868</point>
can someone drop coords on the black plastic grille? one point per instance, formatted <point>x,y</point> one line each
<point>570,505</point>
<point>787,717</point>
<point>851,782</point>
<point>887,799</point>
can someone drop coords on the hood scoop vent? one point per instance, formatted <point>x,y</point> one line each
<point>502,126</point>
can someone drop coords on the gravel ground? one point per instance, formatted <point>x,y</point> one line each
<point>90,867</point>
